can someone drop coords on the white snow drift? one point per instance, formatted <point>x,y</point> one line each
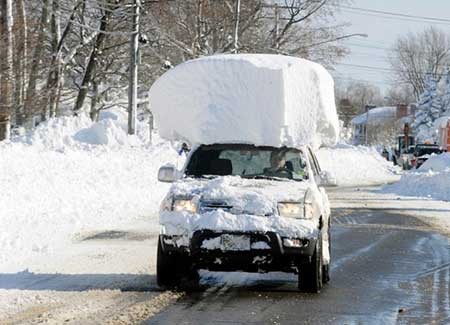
<point>261,99</point>
<point>431,180</point>
<point>357,165</point>
<point>57,183</point>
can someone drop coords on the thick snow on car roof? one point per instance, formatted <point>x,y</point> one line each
<point>253,98</point>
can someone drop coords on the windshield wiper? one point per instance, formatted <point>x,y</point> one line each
<point>203,176</point>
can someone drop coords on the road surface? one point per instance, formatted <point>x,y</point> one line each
<point>386,268</point>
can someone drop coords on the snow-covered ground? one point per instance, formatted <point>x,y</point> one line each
<point>79,218</point>
<point>70,177</point>
<point>357,165</point>
<point>431,180</point>
<point>57,185</point>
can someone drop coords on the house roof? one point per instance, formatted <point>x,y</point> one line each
<point>376,115</point>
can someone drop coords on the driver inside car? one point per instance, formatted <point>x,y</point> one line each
<point>278,165</point>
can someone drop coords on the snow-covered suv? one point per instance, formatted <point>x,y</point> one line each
<point>240,207</point>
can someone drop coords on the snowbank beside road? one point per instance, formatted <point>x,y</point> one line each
<point>80,132</point>
<point>437,163</point>
<point>357,166</point>
<point>57,184</point>
<point>431,180</point>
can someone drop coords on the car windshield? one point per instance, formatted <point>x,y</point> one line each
<point>248,161</point>
<point>427,150</point>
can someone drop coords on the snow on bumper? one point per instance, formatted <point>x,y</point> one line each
<point>184,224</point>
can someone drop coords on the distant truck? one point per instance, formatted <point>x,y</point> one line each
<point>422,152</point>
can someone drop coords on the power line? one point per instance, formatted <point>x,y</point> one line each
<point>381,82</point>
<point>396,14</point>
<point>387,69</point>
<point>396,19</point>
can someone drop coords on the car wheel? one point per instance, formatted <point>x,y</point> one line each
<point>166,275</point>
<point>310,275</point>
<point>175,270</point>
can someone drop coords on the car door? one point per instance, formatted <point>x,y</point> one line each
<point>317,170</point>
<point>326,211</point>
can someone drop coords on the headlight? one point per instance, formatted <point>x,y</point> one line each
<point>180,205</point>
<point>290,210</point>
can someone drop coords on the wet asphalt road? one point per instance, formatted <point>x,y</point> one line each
<point>386,268</point>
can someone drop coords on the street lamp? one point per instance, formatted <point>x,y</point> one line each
<point>339,38</point>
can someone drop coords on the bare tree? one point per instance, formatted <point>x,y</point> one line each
<point>91,66</point>
<point>306,28</point>
<point>400,94</point>
<point>6,61</point>
<point>21,57</point>
<point>415,55</point>
<point>359,94</point>
<point>31,104</point>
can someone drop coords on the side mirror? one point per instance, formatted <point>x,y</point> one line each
<point>167,174</point>
<point>327,179</point>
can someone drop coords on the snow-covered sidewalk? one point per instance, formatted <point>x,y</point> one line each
<point>357,165</point>
<point>431,180</point>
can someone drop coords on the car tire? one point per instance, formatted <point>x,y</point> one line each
<point>326,274</point>
<point>174,270</point>
<point>310,275</point>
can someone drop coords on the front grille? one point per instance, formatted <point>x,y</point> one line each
<point>208,206</point>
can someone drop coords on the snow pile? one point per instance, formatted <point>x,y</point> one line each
<point>80,132</point>
<point>262,99</point>
<point>357,165</point>
<point>57,186</point>
<point>178,223</point>
<point>258,197</point>
<point>253,206</point>
<point>431,180</point>
<point>437,163</point>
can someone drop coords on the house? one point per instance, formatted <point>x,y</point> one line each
<point>380,124</point>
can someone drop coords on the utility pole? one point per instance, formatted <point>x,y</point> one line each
<point>133,82</point>
<point>237,13</point>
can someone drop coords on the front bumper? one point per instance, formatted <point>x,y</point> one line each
<point>277,254</point>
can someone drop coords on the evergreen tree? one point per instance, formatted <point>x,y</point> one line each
<point>429,108</point>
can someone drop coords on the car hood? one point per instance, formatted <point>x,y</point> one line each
<point>243,196</point>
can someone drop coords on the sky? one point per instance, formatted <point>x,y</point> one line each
<point>382,30</point>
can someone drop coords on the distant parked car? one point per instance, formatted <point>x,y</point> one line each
<point>422,152</point>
